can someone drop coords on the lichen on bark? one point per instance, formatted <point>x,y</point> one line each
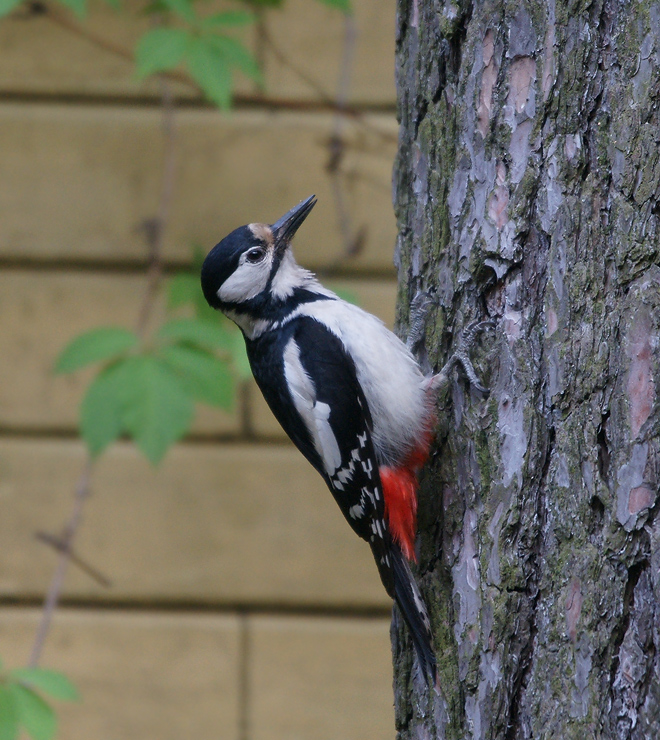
<point>527,190</point>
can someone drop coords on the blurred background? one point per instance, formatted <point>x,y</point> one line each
<point>240,605</point>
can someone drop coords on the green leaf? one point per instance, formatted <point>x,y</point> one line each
<point>210,71</point>
<point>343,5</point>
<point>94,346</point>
<point>79,7</point>
<point>205,334</point>
<point>6,6</point>
<point>159,49</point>
<point>346,295</point>
<point>153,7</point>
<point>50,682</point>
<point>101,409</point>
<point>33,713</point>
<point>204,312</point>
<point>228,18</point>
<point>240,358</point>
<point>198,257</point>
<point>182,8</point>
<point>204,376</point>
<point>183,289</point>
<point>157,409</point>
<point>8,715</point>
<point>236,55</point>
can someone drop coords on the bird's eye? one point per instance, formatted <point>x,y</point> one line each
<point>256,254</point>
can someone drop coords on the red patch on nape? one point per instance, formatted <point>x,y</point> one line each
<point>400,493</point>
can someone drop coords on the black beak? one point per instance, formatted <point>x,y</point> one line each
<point>285,227</point>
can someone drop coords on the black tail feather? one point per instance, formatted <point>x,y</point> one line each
<point>402,587</point>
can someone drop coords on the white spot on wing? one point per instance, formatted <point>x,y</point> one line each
<point>356,511</point>
<point>345,474</point>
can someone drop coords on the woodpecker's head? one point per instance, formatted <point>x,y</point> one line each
<point>255,261</point>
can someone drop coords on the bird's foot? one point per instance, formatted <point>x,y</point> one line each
<point>419,311</point>
<point>462,357</point>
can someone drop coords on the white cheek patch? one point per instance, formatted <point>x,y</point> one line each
<point>247,280</point>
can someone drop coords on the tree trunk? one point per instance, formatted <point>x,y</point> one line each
<point>527,190</point>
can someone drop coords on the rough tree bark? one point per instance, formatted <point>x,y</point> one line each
<point>527,190</point>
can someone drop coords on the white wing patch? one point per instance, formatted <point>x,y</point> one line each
<point>314,413</point>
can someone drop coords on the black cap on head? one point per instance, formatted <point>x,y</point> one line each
<point>222,260</point>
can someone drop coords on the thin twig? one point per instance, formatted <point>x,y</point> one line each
<point>336,144</point>
<point>57,582</point>
<point>261,38</point>
<point>325,100</point>
<point>154,274</point>
<point>58,544</point>
<point>155,228</point>
<point>284,60</point>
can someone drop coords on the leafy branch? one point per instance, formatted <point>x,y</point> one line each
<point>22,704</point>
<point>147,390</point>
<point>188,47</point>
<point>201,45</point>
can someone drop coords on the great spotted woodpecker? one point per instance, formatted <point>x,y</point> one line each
<point>345,389</point>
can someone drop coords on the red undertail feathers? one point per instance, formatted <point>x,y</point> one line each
<point>400,493</point>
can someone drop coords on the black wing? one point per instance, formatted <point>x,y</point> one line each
<point>311,386</point>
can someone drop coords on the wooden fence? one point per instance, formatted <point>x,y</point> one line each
<point>241,607</point>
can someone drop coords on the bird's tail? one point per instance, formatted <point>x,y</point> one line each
<point>400,584</point>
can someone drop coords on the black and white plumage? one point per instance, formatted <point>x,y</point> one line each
<point>345,389</point>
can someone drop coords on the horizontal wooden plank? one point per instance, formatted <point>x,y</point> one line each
<point>140,675</point>
<point>221,524</point>
<point>312,38</point>
<point>80,182</point>
<point>320,678</point>
<point>151,675</point>
<point>42,57</point>
<point>40,312</point>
